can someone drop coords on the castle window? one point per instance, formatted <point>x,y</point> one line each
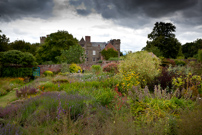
<point>86,59</point>
<point>86,52</point>
<point>93,58</point>
<point>94,52</point>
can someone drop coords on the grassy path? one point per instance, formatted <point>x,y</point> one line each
<point>4,100</point>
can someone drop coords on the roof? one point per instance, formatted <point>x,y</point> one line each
<point>109,45</point>
<point>102,44</point>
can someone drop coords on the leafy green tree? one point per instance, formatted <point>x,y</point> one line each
<point>75,54</point>
<point>18,57</point>
<point>54,44</point>
<point>23,46</point>
<point>155,50</point>
<point>109,53</point>
<point>3,42</point>
<point>163,38</point>
<point>191,49</point>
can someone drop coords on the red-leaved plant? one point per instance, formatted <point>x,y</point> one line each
<point>111,67</point>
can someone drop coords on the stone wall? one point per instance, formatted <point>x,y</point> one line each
<point>57,67</point>
<point>53,68</point>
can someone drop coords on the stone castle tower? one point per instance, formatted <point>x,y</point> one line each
<point>42,39</point>
<point>116,43</point>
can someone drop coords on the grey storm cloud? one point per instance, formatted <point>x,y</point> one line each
<point>16,9</point>
<point>119,9</point>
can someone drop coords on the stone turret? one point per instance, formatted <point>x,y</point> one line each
<point>82,42</point>
<point>116,43</point>
<point>42,39</point>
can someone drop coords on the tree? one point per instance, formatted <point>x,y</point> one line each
<point>109,53</point>
<point>164,39</point>
<point>191,49</point>
<point>23,46</point>
<point>54,44</point>
<point>3,43</point>
<point>75,54</point>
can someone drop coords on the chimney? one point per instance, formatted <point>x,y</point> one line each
<point>87,39</point>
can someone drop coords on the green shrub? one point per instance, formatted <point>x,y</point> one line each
<point>49,86</point>
<point>29,59</point>
<point>16,72</point>
<point>3,92</point>
<point>64,68</point>
<point>12,57</point>
<point>64,74</point>
<point>18,57</point>
<point>113,58</point>
<point>180,63</point>
<point>180,70</point>
<point>199,56</point>
<point>96,69</point>
<point>48,73</point>
<point>73,68</point>
<point>109,53</point>
<point>145,64</point>
<point>100,61</point>
<point>180,57</point>
<point>104,96</point>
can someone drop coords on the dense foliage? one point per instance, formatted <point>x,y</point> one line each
<point>96,69</point>
<point>109,53</point>
<point>143,63</point>
<point>3,42</point>
<point>74,68</point>
<point>19,58</point>
<point>199,57</point>
<point>9,71</point>
<point>191,49</point>
<point>75,54</point>
<point>48,73</point>
<point>23,46</point>
<point>111,67</point>
<point>163,41</point>
<point>54,44</point>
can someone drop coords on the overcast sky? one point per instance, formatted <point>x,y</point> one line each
<point>128,20</point>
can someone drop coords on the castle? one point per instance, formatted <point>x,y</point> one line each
<point>93,49</point>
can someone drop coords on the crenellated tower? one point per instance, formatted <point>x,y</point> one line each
<point>116,43</point>
<point>42,39</point>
